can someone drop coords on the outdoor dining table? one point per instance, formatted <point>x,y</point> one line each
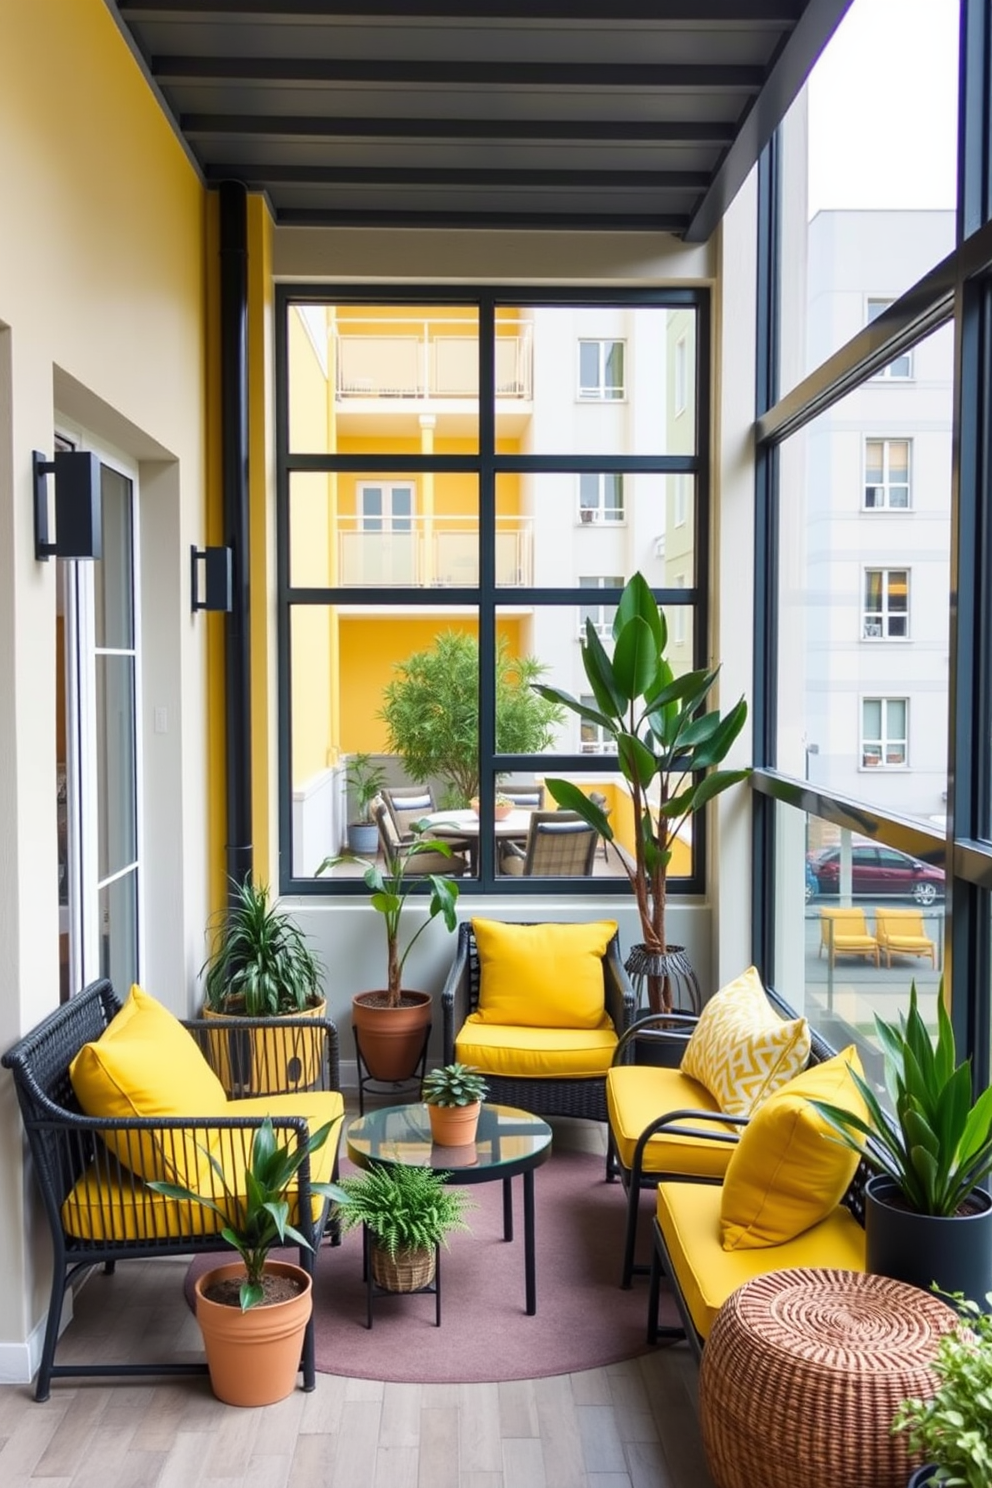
<point>464,826</point>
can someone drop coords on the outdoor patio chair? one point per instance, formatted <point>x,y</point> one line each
<point>844,932</point>
<point>902,932</point>
<point>559,845</point>
<point>422,863</point>
<point>407,804</point>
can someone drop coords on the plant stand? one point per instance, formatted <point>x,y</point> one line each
<point>641,965</point>
<point>372,1289</point>
<point>367,1081</point>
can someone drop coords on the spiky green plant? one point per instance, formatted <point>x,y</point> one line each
<point>938,1149</point>
<point>257,1219</point>
<point>454,1085</point>
<point>406,1208</point>
<point>953,1429</point>
<point>260,964</point>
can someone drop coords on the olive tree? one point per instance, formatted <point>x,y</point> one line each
<point>431,712</point>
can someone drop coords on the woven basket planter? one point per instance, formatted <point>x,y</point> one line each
<point>802,1373</point>
<point>407,1271</point>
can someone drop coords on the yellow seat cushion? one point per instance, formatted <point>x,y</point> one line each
<point>741,1050</point>
<point>536,1053</point>
<point>689,1219</point>
<point>542,976</point>
<point>636,1094</point>
<point>789,1169</point>
<point>106,1204</point>
<point>146,1063</point>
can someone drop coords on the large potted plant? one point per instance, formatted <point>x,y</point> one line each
<point>392,1023</point>
<point>261,966</point>
<point>667,747</point>
<point>409,1212</point>
<point>253,1312</point>
<point>365,779</point>
<point>953,1428</point>
<point>928,1220</point>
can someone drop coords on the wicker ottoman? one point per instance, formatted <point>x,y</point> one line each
<point>801,1375</point>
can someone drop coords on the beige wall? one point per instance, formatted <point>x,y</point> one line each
<point>102,325</point>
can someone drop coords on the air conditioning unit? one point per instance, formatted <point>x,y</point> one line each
<point>873,628</point>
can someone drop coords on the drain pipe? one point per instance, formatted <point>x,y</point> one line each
<point>234,464</point>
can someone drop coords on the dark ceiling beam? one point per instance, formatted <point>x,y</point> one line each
<point>605,131</point>
<point>260,176</point>
<point>512,221</point>
<point>698,12</point>
<point>682,77</point>
<point>786,76</point>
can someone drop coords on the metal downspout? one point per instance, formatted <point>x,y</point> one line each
<point>234,464</point>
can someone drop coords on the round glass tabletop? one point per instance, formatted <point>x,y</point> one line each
<point>508,1142</point>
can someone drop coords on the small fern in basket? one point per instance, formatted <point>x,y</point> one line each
<point>404,1208</point>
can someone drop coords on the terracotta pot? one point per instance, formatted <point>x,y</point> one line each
<point>391,1040</point>
<point>267,1060</point>
<point>454,1126</point>
<point>254,1356</point>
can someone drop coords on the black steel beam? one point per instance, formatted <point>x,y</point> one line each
<point>304,126</point>
<point>348,175</point>
<point>512,220</point>
<point>683,77</point>
<point>658,12</point>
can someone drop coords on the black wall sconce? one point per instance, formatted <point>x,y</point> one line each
<point>78,525</point>
<point>218,588</point>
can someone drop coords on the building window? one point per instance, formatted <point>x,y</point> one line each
<point>601,370</point>
<point>680,499</point>
<point>386,507</point>
<point>681,379</point>
<point>887,474</point>
<point>884,732</point>
<point>902,368</point>
<point>886,615</point>
<point>593,738</point>
<point>679,615</point>
<point>601,615</point>
<point>601,497</point>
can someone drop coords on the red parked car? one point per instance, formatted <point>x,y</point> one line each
<point>878,871</point>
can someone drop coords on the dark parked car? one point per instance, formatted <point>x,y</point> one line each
<point>878,871</point>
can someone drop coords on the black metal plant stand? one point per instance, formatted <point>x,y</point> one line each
<point>642,964</point>
<point>372,1288</point>
<point>367,1081</point>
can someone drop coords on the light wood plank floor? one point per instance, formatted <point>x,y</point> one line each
<point>631,1425</point>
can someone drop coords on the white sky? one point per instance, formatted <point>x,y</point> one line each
<point>882,108</point>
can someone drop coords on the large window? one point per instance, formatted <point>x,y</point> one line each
<point>887,474</point>
<point>884,732</point>
<point>446,507</point>
<point>886,615</point>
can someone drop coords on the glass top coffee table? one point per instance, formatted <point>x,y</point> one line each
<point>509,1142</point>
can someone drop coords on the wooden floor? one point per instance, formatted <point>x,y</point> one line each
<point>631,1425</point>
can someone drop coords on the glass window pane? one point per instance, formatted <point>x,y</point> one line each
<point>115,749</point>
<point>118,909</point>
<point>113,575</point>
<point>868,180</point>
<point>860,716</point>
<point>359,373</point>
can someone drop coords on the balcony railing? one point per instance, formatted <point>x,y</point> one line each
<point>432,552</point>
<point>427,360</point>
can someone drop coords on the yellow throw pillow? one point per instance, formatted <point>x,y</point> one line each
<point>789,1169</point>
<point>741,1050</point>
<point>147,1064</point>
<point>542,976</point>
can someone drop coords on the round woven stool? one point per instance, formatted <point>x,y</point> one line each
<point>802,1373</point>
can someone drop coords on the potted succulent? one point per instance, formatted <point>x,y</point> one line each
<point>408,1212</point>
<point>667,746</point>
<point>953,1429</point>
<point>392,1024</point>
<point>261,966</point>
<point>502,806</point>
<point>454,1095</point>
<point>928,1220</point>
<point>256,1304</point>
<point>366,779</point>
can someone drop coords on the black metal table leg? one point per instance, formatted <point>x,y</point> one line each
<point>530,1270</point>
<point>507,1208</point>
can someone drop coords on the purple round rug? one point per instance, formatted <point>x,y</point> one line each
<point>583,1318</point>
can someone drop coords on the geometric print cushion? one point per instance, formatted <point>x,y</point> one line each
<point>741,1050</point>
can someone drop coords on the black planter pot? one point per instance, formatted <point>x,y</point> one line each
<point>922,1475</point>
<point>954,1252</point>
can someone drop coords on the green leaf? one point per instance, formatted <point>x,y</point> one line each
<point>718,745</point>
<point>637,602</point>
<point>567,794</point>
<point>635,659</point>
<point>599,670</point>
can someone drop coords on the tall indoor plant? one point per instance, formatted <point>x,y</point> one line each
<point>253,1313</point>
<point>667,746</point>
<point>928,1218</point>
<point>392,1023</point>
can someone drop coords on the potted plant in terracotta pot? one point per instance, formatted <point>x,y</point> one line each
<point>253,1313</point>
<point>261,966</point>
<point>953,1428</point>
<point>408,1212</point>
<point>454,1095</point>
<point>667,747</point>
<point>392,1024</point>
<point>928,1219</point>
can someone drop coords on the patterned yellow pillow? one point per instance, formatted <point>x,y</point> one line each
<point>741,1050</point>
